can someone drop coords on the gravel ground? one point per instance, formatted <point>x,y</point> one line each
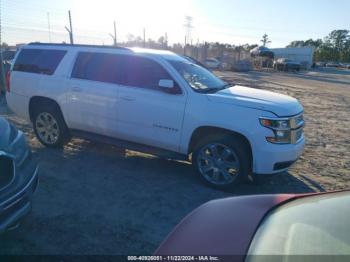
<point>99,199</point>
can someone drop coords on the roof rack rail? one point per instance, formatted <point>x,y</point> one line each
<point>78,45</point>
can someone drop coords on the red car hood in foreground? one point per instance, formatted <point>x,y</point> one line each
<point>221,227</point>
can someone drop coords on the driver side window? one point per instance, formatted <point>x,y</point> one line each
<point>144,73</point>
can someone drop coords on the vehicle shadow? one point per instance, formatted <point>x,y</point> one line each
<point>171,174</point>
<point>115,201</point>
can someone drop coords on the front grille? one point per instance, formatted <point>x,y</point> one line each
<point>297,125</point>
<point>6,171</point>
<point>299,120</point>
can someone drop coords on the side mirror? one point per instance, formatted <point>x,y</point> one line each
<point>166,83</point>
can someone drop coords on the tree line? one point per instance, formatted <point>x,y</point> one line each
<point>334,47</point>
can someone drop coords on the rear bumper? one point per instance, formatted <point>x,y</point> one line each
<point>15,207</point>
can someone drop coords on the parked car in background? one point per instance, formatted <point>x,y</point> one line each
<point>194,61</point>
<point>332,64</point>
<point>18,176</point>
<point>7,57</point>
<point>321,64</point>
<point>242,66</point>
<point>157,102</point>
<point>345,65</point>
<point>265,228</point>
<point>284,64</point>
<point>212,63</point>
<point>262,51</point>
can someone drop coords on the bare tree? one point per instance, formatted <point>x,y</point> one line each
<point>265,39</point>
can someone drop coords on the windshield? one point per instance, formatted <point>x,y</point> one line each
<point>316,225</point>
<point>199,78</point>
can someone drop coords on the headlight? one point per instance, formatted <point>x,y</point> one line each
<point>286,130</point>
<point>281,137</point>
<point>275,123</point>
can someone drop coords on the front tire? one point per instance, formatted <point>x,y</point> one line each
<point>222,162</point>
<point>49,126</point>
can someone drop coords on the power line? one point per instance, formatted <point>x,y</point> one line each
<point>48,25</point>
<point>25,5</point>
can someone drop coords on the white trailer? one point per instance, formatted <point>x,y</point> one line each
<point>303,55</point>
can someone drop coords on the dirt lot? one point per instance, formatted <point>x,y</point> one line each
<point>99,199</point>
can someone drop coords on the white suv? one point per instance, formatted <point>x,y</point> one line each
<point>157,102</point>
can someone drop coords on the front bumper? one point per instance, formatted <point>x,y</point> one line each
<point>18,204</point>
<point>275,158</point>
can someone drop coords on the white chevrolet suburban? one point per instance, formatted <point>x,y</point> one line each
<point>157,102</point>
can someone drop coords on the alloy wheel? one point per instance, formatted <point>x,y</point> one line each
<point>218,164</point>
<point>47,128</point>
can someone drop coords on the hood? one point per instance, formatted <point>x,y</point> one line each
<point>279,104</point>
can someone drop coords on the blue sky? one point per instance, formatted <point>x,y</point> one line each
<point>230,21</point>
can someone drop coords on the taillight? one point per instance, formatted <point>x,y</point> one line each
<point>8,74</point>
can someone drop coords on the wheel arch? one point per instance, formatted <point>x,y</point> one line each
<point>205,131</point>
<point>36,101</point>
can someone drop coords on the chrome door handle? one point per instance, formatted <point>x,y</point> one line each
<point>76,89</point>
<point>128,98</point>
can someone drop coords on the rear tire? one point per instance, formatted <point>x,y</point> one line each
<point>225,168</point>
<point>49,126</point>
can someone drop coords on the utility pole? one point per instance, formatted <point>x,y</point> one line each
<point>48,25</point>
<point>115,35</point>
<point>166,40</point>
<point>188,27</point>
<point>197,49</point>
<point>144,37</point>
<point>70,30</point>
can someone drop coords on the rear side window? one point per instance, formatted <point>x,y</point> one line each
<point>97,67</point>
<point>39,61</point>
<point>119,69</point>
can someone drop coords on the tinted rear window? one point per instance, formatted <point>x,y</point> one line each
<point>97,67</point>
<point>119,69</point>
<point>39,61</point>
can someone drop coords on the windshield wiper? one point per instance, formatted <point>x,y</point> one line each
<point>215,89</point>
<point>227,85</point>
<point>208,90</point>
